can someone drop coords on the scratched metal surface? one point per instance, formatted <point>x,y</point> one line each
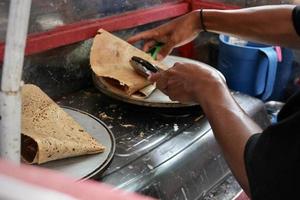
<point>137,129</point>
<point>163,153</point>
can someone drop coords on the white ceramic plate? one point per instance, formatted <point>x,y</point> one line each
<point>88,166</point>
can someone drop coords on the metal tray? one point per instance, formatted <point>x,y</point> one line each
<point>88,166</point>
<point>156,99</point>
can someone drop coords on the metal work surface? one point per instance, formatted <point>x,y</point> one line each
<point>166,153</point>
<point>159,146</point>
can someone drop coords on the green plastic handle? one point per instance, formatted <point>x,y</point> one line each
<point>154,50</point>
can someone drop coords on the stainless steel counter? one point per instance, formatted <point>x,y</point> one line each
<point>164,153</point>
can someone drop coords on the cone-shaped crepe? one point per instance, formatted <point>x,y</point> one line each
<point>110,58</point>
<point>49,133</point>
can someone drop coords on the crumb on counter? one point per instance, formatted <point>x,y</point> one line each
<point>128,125</point>
<point>198,118</point>
<point>142,134</point>
<point>103,115</point>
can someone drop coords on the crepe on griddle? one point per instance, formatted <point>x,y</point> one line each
<point>48,132</point>
<point>109,60</point>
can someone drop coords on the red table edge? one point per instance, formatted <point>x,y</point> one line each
<point>241,196</point>
<point>56,181</point>
<point>197,4</point>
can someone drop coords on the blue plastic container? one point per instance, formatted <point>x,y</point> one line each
<point>254,68</point>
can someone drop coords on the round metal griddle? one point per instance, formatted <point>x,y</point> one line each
<point>156,99</point>
<point>87,166</point>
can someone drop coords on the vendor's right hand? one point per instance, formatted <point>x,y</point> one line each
<point>191,83</point>
<point>172,34</point>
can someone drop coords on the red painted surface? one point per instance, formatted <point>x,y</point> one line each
<point>197,4</point>
<point>187,50</point>
<point>83,30</point>
<point>55,181</point>
<point>242,196</point>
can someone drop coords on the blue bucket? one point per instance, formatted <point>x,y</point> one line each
<point>254,68</point>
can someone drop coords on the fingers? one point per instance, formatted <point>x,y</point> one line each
<point>161,80</point>
<point>154,77</point>
<point>173,84</point>
<point>146,35</point>
<point>148,45</point>
<point>150,41</point>
<point>169,86</point>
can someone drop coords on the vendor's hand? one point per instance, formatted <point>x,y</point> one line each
<point>188,83</point>
<point>173,34</point>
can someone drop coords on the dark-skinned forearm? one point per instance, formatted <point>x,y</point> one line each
<point>232,128</point>
<point>266,24</point>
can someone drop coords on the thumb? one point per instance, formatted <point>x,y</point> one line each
<point>154,77</point>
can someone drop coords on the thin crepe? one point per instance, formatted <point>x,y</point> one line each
<point>49,133</point>
<point>109,60</point>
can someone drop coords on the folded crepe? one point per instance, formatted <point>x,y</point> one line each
<point>49,133</point>
<point>109,59</point>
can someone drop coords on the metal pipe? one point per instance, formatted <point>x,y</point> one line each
<point>10,97</point>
